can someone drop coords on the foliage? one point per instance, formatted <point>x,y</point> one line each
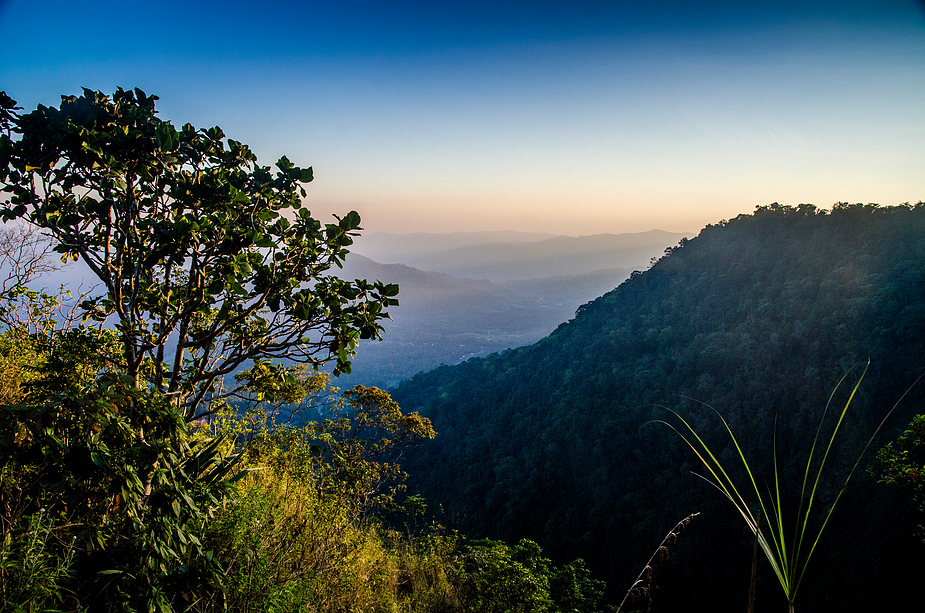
<point>903,460</point>
<point>296,536</point>
<point>302,532</point>
<point>363,446</point>
<point>307,529</point>
<point>157,526</point>
<point>117,472</point>
<point>902,465</point>
<point>94,517</point>
<point>207,260</point>
<point>574,589</point>
<point>207,263</point>
<point>502,578</point>
<point>33,575</point>
<point>497,578</point>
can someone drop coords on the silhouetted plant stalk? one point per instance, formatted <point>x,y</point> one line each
<point>788,559</point>
<point>643,582</point>
<point>752,586</point>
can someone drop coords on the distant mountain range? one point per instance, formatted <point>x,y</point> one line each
<point>506,256</point>
<point>483,296</point>
<point>391,248</point>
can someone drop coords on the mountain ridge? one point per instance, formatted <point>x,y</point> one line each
<point>758,316</point>
<point>518,260</point>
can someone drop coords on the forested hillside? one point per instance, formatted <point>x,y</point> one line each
<point>759,317</point>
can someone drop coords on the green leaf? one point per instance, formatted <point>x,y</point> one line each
<point>166,136</point>
<point>99,460</point>
<point>351,221</point>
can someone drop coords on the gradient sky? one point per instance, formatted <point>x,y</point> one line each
<point>573,118</point>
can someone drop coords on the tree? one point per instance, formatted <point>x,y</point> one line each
<point>902,464</point>
<point>207,263</point>
<point>354,439</point>
<point>207,260</point>
<point>364,441</point>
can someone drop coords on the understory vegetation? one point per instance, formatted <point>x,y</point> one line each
<point>245,514</point>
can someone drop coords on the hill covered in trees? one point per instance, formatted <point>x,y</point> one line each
<point>760,317</point>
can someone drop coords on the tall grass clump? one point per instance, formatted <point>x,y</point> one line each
<point>787,546</point>
<point>34,567</point>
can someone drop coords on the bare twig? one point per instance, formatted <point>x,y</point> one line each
<point>24,250</point>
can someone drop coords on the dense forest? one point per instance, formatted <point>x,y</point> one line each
<point>758,317</point>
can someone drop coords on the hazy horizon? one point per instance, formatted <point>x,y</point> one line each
<point>602,117</point>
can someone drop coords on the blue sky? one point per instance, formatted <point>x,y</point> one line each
<point>576,118</point>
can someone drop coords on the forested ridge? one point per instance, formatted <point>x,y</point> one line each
<point>758,317</point>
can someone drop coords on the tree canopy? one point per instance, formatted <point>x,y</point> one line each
<point>207,260</point>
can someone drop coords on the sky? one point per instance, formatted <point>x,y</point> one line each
<point>572,118</point>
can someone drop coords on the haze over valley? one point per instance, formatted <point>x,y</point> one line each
<point>470,294</point>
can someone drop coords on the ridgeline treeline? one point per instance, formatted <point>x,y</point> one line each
<point>760,317</point>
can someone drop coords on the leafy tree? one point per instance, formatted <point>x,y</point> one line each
<point>352,442</point>
<point>903,464</point>
<point>574,590</point>
<point>208,260</point>
<point>207,263</point>
<point>501,578</point>
<point>363,443</point>
<point>496,577</point>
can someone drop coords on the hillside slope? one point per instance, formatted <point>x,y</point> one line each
<point>759,317</point>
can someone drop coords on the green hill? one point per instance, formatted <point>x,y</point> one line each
<point>759,317</point>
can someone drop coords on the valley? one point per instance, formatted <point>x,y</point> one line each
<point>484,297</point>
